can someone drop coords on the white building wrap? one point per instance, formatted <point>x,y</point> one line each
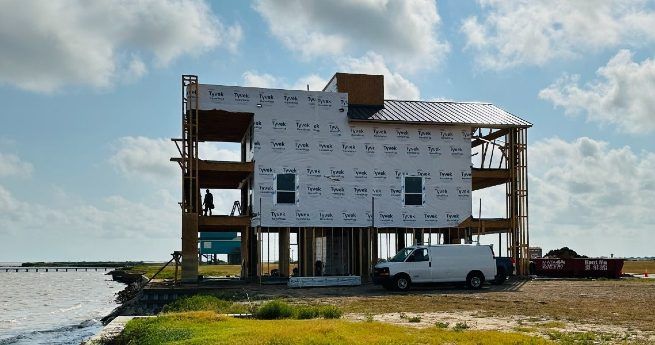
<point>341,166</point>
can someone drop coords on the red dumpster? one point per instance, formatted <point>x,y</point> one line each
<point>578,268</point>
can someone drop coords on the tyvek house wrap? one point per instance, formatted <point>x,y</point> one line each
<point>341,166</point>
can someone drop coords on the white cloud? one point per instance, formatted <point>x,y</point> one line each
<point>403,31</point>
<point>47,45</point>
<point>12,165</point>
<point>111,217</point>
<point>214,152</point>
<point>588,195</point>
<point>395,85</point>
<point>255,79</point>
<point>534,32</point>
<point>149,158</point>
<point>315,82</point>
<point>623,95</point>
<point>146,158</point>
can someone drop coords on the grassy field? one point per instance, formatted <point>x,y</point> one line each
<point>639,266</point>
<point>206,327</point>
<point>207,270</point>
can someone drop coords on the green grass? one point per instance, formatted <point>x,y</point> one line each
<point>169,272</point>
<point>277,309</point>
<point>205,303</point>
<point>211,328</point>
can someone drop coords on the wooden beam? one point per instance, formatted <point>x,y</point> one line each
<point>489,137</point>
<point>484,178</point>
<point>222,223</point>
<point>487,225</point>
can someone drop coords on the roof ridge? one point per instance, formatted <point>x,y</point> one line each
<point>421,101</point>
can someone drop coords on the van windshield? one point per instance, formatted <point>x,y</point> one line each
<point>402,255</point>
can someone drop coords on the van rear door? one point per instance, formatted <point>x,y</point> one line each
<point>418,265</point>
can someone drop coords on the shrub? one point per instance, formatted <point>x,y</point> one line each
<point>442,325</point>
<point>460,326</point>
<point>274,310</point>
<point>198,303</point>
<point>331,312</point>
<point>369,317</point>
<point>307,312</point>
<point>414,319</point>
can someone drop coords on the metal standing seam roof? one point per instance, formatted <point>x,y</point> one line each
<point>456,113</point>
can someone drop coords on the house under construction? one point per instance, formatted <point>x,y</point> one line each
<point>342,177</point>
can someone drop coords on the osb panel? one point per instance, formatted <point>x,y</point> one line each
<point>362,89</point>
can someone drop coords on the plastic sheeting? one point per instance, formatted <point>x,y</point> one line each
<point>341,166</point>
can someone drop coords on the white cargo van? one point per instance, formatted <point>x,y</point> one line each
<point>447,263</point>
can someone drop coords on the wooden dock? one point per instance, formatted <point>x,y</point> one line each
<point>55,269</point>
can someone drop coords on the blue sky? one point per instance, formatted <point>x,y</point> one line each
<point>91,99</point>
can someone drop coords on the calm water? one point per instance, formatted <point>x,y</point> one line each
<point>53,307</point>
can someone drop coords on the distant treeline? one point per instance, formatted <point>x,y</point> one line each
<point>82,264</point>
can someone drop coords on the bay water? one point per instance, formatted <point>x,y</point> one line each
<point>53,307</point>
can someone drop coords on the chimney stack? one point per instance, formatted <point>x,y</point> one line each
<point>362,89</point>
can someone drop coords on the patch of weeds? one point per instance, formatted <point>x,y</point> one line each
<point>442,325</point>
<point>414,319</point>
<point>307,312</point>
<point>368,317</point>
<point>274,310</point>
<point>552,324</point>
<point>277,309</point>
<point>525,329</point>
<point>403,315</point>
<point>577,338</point>
<point>460,326</point>
<point>330,312</point>
<point>198,303</point>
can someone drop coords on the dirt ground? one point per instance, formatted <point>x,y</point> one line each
<point>618,310</point>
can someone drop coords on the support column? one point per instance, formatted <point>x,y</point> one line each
<point>284,258</point>
<point>365,253</point>
<point>245,252</point>
<point>418,236</point>
<point>400,240</point>
<point>189,247</point>
<point>253,249</point>
<point>307,241</point>
<point>374,245</point>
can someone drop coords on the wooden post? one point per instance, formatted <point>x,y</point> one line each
<point>189,247</point>
<point>374,245</point>
<point>283,246</point>
<point>400,240</point>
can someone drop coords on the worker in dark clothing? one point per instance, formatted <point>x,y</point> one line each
<point>208,202</point>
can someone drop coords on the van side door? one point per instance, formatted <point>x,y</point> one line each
<point>418,264</point>
<point>440,269</point>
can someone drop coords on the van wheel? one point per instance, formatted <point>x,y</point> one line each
<point>501,277</point>
<point>475,280</point>
<point>401,282</point>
